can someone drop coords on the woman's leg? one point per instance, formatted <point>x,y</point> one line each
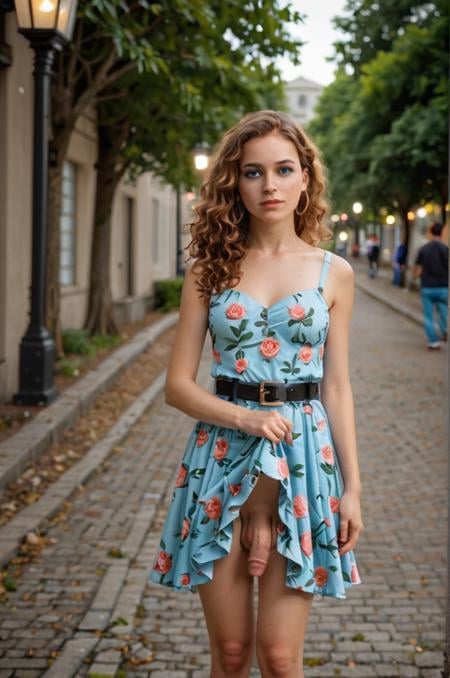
<point>281,624</point>
<point>227,603</point>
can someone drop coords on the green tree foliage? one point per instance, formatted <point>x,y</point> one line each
<point>161,76</point>
<point>372,26</point>
<point>384,130</point>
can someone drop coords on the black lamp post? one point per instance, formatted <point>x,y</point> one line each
<point>48,25</point>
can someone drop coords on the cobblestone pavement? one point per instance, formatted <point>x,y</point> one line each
<point>82,595</point>
<point>383,284</point>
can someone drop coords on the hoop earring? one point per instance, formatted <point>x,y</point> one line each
<point>305,207</point>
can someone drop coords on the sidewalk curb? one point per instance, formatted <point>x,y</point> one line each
<point>33,439</point>
<point>411,315</point>
<point>35,515</point>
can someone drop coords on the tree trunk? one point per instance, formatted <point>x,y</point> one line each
<point>406,225</point>
<point>406,238</point>
<point>58,149</point>
<point>100,314</point>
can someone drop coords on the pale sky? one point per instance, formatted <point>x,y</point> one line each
<point>318,34</point>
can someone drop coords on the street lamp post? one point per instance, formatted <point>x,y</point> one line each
<point>48,25</point>
<point>357,208</point>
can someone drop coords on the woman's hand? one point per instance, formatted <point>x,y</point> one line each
<point>266,424</point>
<point>351,524</point>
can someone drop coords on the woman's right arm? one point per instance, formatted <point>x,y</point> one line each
<point>182,391</point>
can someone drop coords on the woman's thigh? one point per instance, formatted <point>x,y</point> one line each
<point>227,600</point>
<point>283,615</point>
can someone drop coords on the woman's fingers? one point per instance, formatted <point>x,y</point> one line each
<point>278,428</point>
<point>350,535</point>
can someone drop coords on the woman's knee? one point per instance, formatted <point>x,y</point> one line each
<point>233,655</point>
<point>278,659</point>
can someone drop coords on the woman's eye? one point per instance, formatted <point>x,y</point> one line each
<point>286,170</point>
<point>251,174</point>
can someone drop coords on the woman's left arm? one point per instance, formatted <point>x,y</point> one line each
<point>337,398</point>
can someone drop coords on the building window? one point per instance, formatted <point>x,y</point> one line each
<point>68,225</point>
<point>155,230</point>
<point>302,101</point>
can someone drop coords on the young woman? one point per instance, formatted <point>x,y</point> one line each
<point>269,484</point>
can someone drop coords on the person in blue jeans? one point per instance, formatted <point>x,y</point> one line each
<point>431,265</point>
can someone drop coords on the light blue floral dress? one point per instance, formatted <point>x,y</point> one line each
<point>220,466</point>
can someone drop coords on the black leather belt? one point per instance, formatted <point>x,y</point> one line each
<point>267,392</point>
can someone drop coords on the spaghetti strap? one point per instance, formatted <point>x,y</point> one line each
<point>324,271</point>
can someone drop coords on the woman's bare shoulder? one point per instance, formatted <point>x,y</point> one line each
<point>191,291</point>
<point>342,279</point>
<point>341,269</point>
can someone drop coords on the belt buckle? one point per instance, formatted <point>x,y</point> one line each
<point>263,391</point>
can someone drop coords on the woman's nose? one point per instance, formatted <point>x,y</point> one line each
<point>269,185</point>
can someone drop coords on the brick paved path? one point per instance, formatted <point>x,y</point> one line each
<point>391,625</point>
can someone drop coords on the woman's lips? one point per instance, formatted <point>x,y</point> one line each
<point>271,203</point>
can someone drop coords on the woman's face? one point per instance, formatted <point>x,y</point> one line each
<point>271,178</point>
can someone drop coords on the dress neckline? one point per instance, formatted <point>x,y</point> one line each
<point>236,290</point>
<point>318,288</point>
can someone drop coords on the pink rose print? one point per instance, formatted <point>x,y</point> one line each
<point>269,347</point>
<point>283,468</point>
<point>327,454</point>
<point>307,409</point>
<point>240,365</point>
<point>320,575</point>
<point>297,312</point>
<point>355,575</point>
<point>181,477</point>
<point>306,543</point>
<point>202,437</point>
<point>163,562</point>
<point>221,449</point>
<point>300,506</point>
<point>185,579</point>
<point>213,508</point>
<point>321,424</point>
<point>334,504</point>
<point>321,351</point>
<point>234,489</point>
<point>281,528</point>
<point>235,312</point>
<point>327,522</point>
<point>185,529</point>
<point>306,353</point>
<point>216,355</point>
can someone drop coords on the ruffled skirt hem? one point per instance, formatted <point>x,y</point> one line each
<point>307,531</point>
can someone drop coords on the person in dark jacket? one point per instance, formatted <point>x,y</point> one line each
<point>399,264</point>
<point>431,265</point>
<point>373,255</point>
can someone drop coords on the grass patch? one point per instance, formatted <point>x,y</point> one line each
<point>314,661</point>
<point>168,293</point>
<point>358,636</point>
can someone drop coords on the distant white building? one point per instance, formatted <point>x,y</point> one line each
<point>302,95</point>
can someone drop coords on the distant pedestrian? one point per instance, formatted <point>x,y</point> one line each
<point>432,266</point>
<point>373,255</point>
<point>399,264</point>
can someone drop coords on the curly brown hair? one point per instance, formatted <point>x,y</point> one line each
<point>220,228</point>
